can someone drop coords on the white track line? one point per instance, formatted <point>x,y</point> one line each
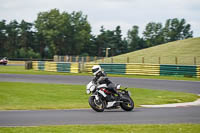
<point>195,103</point>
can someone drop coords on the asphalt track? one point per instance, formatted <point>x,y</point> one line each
<point>88,116</point>
<point>172,85</point>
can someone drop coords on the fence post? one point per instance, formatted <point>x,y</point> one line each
<point>111,59</point>
<point>65,59</point>
<point>55,58</point>
<point>82,59</point>
<point>142,59</point>
<point>159,60</point>
<point>70,59</point>
<point>102,59</point>
<point>127,59</point>
<point>176,60</point>
<point>87,58</point>
<point>195,60</point>
<point>77,57</point>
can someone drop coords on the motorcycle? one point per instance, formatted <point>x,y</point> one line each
<point>101,98</point>
<point>4,61</point>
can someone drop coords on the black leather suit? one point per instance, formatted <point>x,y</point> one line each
<point>101,78</point>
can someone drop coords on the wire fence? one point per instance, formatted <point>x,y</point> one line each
<point>27,59</point>
<point>178,60</point>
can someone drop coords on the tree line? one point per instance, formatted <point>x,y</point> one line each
<point>62,33</point>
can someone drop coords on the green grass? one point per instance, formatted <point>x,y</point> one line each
<point>150,128</point>
<point>185,50</point>
<point>21,70</point>
<point>23,96</point>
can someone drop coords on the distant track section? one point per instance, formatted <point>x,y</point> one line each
<point>172,85</point>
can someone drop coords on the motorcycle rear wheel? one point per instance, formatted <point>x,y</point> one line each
<point>98,106</point>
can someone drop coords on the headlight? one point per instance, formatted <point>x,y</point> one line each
<point>92,88</point>
<point>88,91</point>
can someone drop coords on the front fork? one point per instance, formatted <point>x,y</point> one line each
<point>96,95</point>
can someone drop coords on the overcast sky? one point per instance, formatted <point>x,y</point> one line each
<point>109,13</point>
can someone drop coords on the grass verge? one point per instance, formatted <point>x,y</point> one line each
<point>154,128</point>
<point>22,96</point>
<point>21,70</point>
<point>185,50</point>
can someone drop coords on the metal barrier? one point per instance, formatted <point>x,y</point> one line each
<point>16,62</point>
<point>148,69</point>
<point>143,69</point>
<point>56,66</point>
<point>179,70</point>
<point>198,71</point>
<point>128,68</point>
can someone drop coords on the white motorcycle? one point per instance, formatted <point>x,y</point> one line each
<point>101,98</point>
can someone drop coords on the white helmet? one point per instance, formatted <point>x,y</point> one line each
<point>96,69</point>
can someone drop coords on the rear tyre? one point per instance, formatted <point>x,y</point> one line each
<point>97,105</point>
<point>128,104</point>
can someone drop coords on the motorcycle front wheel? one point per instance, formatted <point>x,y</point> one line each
<point>97,105</point>
<point>127,104</point>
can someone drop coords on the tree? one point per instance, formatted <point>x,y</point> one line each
<point>90,48</point>
<point>120,45</point>
<point>25,35</point>
<point>81,30</point>
<point>3,37</point>
<point>11,44</point>
<point>176,30</point>
<point>65,34</point>
<point>110,39</point>
<point>153,34</point>
<point>48,26</point>
<point>133,38</point>
<point>100,42</point>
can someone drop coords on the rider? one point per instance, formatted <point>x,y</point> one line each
<point>100,78</point>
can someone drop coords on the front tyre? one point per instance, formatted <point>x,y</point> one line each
<point>127,104</point>
<point>97,105</point>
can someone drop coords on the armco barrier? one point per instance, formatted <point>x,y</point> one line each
<point>137,69</point>
<point>41,65</point>
<point>35,65</point>
<point>129,68</point>
<point>198,72</point>
<point>114,68</point>
<point>56,66</point>
<point>16,62</point>
<point>147,69</point>
<point>75,68</point>
<point>50,66</point>
<point>63,67</point>
<point>88,67</point>
<point>108,68</point>
<point>143,69</point>
<point>178,70</point>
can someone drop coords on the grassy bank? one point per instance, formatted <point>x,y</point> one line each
<point>185,50</point>
<point>156,128</point>
<point>21,70</point>
<point>22,96</point>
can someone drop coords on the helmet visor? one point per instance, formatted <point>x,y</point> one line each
<point>95,70</point>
